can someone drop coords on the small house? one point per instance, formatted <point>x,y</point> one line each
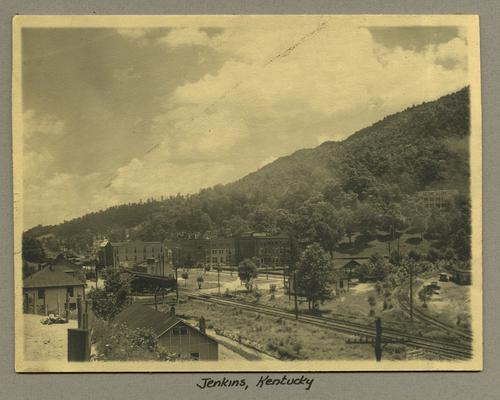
<point>174,334</point>
<point>48,290</point>
<point>351,267</point>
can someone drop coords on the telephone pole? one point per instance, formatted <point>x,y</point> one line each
<point>218,278</point>
<point>295,294</point>
<point>411,291</point>
<point>378,339</point>
<point>177,283</point>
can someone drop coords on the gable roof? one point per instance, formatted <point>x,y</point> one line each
<point>63,263</point>
<point>141,316</point>
<point>51,277</point>
<point>138,315</point>
<point>352,263</point>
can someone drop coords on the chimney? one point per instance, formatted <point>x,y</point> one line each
<point>172,311</point>
<point>202,325</point>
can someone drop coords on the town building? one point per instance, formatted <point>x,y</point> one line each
<point>150,255</point>
<point>270,250</point>
<point>174,334</point>
<point>440,199</point>
<point>188,252</point>
<point>50,289</point>
<point>220,252</point>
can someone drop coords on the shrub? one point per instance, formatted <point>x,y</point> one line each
<point>115,342</point>
<point>415,255</point>
<point>272,287</point>
<point>200,281</point>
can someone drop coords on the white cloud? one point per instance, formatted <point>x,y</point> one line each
<point>132,33</point>
<point>260,110</point>
<point>186,37</point>
<point>318,87</point>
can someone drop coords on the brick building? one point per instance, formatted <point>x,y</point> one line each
<point>151,255</point>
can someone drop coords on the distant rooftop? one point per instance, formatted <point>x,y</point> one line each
<point>141,316</point>
<point>52,276</point>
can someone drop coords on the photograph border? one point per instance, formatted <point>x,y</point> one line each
<point>475,364</point>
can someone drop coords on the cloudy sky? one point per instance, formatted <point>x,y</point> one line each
<point>118,115</point>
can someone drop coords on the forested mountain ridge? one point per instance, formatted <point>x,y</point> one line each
<point>333,190</point>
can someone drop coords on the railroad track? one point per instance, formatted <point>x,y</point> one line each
<point>403,301</point>
<point>447,349</point>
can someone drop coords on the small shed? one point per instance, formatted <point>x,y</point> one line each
<point>462,276</point>
<point>47,291</point>
<point>176,335</point>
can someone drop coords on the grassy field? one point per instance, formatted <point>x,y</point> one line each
<point>284,339</point>
<point>351,306</point>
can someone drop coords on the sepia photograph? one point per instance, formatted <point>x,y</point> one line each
<point>247,193</point>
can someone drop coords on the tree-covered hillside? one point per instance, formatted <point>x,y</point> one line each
<point>338,190</point>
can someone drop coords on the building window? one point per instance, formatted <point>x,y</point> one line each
<point>41,293</point>
<point>179,330</point>
<point>70,292</point>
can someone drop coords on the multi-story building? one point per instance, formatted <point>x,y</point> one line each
<point>270,250</point>
<point>187,252</point>
<point>151,255</point>
<point>220,252</point>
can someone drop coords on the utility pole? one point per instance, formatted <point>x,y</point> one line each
<point>378,342</point>
<point>177,283</point>
<point>289,282</point>
<point>378,339</point>
<point>411,291</point>
<point>295,294</point>
<point>218,278</point>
